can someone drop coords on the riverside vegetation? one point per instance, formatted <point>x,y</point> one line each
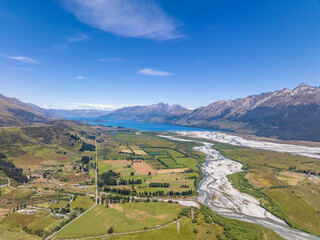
<point>286,184</point>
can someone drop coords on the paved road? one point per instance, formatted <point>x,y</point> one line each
<point>97,194</point>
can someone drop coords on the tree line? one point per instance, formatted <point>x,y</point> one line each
<point>11,170</point>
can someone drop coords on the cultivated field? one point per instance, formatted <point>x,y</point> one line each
<point>122,218</point>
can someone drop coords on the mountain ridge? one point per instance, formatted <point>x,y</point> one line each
<point>271,114</point>
<point>14,112</point>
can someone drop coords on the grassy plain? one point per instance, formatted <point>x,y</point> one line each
<point>124,217</point>
<point>186,232</point>
<point>39,220</point>
<point>82,201</point>
<point>292,196</point>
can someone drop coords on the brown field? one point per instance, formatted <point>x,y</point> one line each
<point>262,178</point>
<point>178,170</point>
<point>126,151</point>
<point>143,168</point>
<point>293,178</point>
<point>114,161</point>
<point>27,161</point>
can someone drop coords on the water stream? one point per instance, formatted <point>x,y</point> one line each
<point>216,192</point>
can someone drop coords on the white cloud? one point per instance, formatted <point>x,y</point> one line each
<point>112,60</point>
<point>91,106</point>
<point>153,72</point>
<point>23,59</point>
<point>128,18</point>
<point>87,106</point>
<point>78,37</point>
<point>80,77</point>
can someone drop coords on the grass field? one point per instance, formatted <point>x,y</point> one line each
<point>201,227</point>
<point>186,232</point>
<point>292,196</point>
<point>82,201</point>
<point>16,234</point>
<point>188,162</point>
<point>38,220</point>
<point>298,211</point>
<point>124,217</point>
<point>118,166</point>
<point>59,204</point>
<point>16,193</point>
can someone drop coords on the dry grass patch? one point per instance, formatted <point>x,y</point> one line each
<point>143,168</point>
<point>125,151</point>
<point>290,178</point>
<point>140,152</point>
<point>177,170</point>
<point>262,177</point>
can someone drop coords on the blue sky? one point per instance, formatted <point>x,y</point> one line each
<point>80,54</point>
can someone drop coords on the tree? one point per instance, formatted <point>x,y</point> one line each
<point>132,173</point>
<point>110,230</point>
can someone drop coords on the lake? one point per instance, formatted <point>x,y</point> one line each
<point>143,126</point>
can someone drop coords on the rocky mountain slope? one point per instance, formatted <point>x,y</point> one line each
<point>13,112</point>
<point>285,114</point>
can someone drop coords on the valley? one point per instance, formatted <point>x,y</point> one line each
<point>142,175</point>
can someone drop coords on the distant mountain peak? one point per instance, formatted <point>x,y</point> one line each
<point>304,87</point>
<point>146,113</point>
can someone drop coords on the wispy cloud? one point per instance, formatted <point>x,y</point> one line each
<point>23,59</point>
<point>88,106</point>
<point>67,41</point>
<point>28,69</point>
<point>78,37</point>
<point>154,72</point>
<point>112,60</point>
<point>91,106</point>
<point>81,77</point>
<point>128,18</point>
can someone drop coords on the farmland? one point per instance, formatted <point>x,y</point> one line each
<point>125,217</point>
<point>136,174</point>
<point>170,162</point>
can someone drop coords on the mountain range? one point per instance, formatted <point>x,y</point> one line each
<point>285,114</point>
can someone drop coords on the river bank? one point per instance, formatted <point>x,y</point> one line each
<point>216,192</point>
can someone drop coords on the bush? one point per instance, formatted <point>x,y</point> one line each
<point>195,230</point>
<point>110,230</point>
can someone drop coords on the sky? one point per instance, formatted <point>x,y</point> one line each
<point>107,54</point>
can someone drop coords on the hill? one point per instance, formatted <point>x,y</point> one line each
<point>14,112</point>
